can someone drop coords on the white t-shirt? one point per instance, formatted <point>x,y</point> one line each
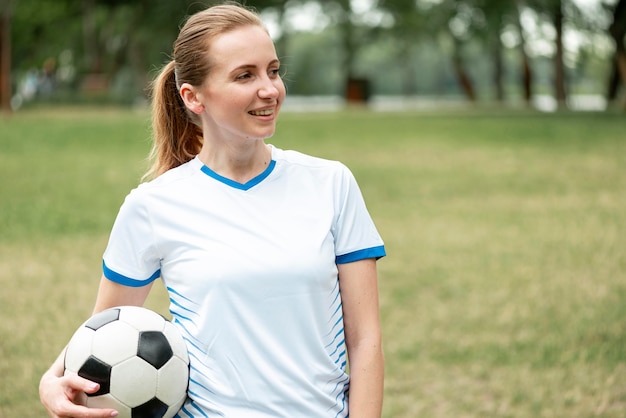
<point>251,271</point>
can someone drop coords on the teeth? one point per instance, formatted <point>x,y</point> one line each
<point>262,112</point>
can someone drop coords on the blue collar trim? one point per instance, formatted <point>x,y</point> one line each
<point>241,186</point>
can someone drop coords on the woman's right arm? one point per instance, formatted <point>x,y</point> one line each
<point>60,394</point>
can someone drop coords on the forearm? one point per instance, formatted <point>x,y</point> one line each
<point>359,295</point>
<point>57,368</point>
<point>366,380</point>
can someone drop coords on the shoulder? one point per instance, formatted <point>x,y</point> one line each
<point>299,159</point>
<point>309,170</point>
<point>176,175</point>
<point>173,177</point>
<point>171,182</point>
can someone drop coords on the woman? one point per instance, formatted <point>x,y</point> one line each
<point>269,256</point>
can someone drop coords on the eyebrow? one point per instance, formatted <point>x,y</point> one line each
<point>252,66</point>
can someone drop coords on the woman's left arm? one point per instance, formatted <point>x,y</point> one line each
<point>358,282</point>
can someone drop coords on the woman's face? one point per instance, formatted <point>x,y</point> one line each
<point>243,93</point>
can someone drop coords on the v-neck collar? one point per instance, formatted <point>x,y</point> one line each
<point>241,186</point>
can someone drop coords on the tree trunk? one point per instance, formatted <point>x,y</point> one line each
<point>614,81</point>
<point>463,78</point>
<point>527,76</point>
<point>349,53</point>
<point>405,58</point>
<point>559,66</point>
<point>5,57</point>
<point>498,68</point>
<point>617,31</point>
<point>93,62</point>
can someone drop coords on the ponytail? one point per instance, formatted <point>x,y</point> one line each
<point>177,138</point>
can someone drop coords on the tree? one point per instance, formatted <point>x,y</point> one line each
<point>496,16</point>
<point>526,69</point>
<point>553,11</point>
<point>410,26</point>
<point>556,11</point>
<point>355,89</point>
<point>5,56</point>
<point>617,30</point>
<point>425,44</point>
<point>485,21</point>
<point>460,28</point>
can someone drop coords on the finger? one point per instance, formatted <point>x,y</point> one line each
<point>76,411</point>
<point>75,382</point>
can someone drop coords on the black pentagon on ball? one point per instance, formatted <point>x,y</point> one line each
<point>154,408</point>
<point>97,371</point>
<point>102,318</point>
<point>154,348</point>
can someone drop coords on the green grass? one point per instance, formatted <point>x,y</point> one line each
<point>503,293</point>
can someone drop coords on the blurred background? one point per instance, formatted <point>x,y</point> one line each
<point>545,54</point>
<point>488,137</point>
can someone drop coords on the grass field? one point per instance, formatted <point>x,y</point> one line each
<point>503,293</point>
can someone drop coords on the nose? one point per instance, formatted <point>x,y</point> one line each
<point>270,88</point>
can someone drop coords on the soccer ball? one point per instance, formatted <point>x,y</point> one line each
<point>139,359</point>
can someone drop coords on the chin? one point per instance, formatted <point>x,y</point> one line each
<point>264,135</point>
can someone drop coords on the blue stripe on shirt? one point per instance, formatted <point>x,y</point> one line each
<point>127,281</point>
<point>374,252</point>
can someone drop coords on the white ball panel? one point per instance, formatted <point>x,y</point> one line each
<point>109,401</point>
<point>115,342</point>
<point>79,349</point>
<point>173,379</point>
<point>142,319</point>
<point>133,381</point>
<point>174,336</point>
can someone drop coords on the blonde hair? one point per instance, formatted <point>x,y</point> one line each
<point>176,131</point>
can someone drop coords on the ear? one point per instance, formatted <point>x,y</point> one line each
<point>192,98</point>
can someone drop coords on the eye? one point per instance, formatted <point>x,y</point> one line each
<point>244,76</point>
<point>275,72</point>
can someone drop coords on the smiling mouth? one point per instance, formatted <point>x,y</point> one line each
<point>266,112</point>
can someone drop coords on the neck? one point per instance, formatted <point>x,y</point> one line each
<point>239,164</point>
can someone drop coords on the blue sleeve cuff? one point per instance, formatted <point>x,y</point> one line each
<point>127,281</point>
<point>374,252</point>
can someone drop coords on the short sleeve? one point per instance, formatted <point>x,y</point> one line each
<point>356,236</point>
<point>130,257</point>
